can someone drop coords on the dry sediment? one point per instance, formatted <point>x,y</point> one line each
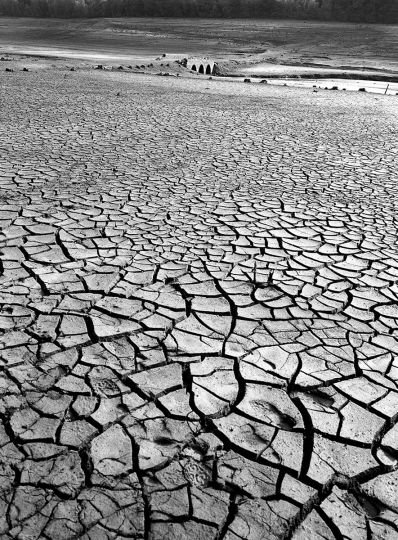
<point>198,310</point>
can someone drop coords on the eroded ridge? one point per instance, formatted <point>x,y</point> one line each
<point>198,312</point>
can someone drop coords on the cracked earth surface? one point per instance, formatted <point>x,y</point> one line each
<point>198,309</point>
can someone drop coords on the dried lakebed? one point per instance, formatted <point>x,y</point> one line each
<point>198,310</point>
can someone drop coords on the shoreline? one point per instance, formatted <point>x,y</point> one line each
<point>174,69</point>
<point>343,76</point>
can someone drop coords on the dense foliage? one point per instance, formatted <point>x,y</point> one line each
<point>385,11</point>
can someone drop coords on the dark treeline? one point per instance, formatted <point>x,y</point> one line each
<point>382,11</point>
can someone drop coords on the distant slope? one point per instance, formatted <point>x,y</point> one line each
<point>283,46</point>
<point>380,11</point>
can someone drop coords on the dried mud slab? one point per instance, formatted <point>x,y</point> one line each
<point>198,300</point>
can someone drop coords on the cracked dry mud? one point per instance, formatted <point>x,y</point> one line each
<point>198,311</point>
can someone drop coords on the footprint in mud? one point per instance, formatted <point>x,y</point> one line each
<point>105,387</point>
<point>194,468</point>
<point>274,415</point>
<point>196,473</point>
<point>322,398</point>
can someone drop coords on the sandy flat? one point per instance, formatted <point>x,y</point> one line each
<point>235,43</point>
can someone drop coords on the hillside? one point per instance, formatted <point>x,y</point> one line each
<point>378,11</point>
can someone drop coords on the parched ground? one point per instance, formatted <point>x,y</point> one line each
<point>198,310</point>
